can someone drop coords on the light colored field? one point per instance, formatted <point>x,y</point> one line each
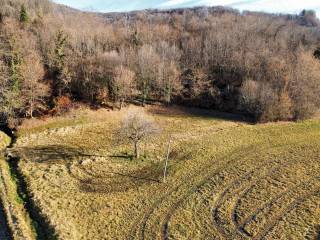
<point>227,179</point>
<point>4,231</point>
<point>14,220</point>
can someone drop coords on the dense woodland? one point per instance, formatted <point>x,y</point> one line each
<point>51,57</point>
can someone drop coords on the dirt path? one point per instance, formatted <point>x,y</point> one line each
<point>4,233</point>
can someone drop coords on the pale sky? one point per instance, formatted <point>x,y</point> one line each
<point>274,6</point>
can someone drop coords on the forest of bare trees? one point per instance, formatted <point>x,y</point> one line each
<point>263,65</point>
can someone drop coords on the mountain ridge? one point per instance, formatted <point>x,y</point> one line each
<point>282,6</point>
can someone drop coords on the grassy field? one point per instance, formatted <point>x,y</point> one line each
<point>14,220</point>
<point>4,231</point>
<point>227,179</point>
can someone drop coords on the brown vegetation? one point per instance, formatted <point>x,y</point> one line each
<point>136,127</point>
<point>227,179</point>
<point>264,65</point>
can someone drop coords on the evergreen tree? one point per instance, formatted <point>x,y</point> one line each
<point>60,69</point>
<point>10,95</point>
<point>23,14</point>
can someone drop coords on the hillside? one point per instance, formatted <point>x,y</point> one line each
<point>3,226</point>
<point>192,123</point>
<point>262,65</point>
<point>227,179</point>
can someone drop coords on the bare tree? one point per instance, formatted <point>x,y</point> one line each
<point>137,127</point>
<point>171,83</point>
<point>305,86</point>
<point>148,60</point>
<point>168,71</point>
<point>122,84</point>
<point>34,90</point>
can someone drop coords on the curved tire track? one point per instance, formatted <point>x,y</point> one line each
<point>141,223</point>
<point>287,210</point>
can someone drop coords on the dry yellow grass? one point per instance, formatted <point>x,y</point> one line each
<point>16,216</point>
<point>227,179</point>
<point>4,141</point>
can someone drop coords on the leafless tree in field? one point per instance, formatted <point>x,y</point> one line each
<point>137,127</point>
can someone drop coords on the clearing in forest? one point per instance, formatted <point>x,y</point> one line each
<point>227,179</point>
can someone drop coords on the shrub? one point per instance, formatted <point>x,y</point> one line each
<point>63,104</point>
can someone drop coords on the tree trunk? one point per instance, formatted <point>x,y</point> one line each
<point>136,150</point>
<point>121,103</point>
<point>31,110</point>
<point>144,100</point>
<point>145,93</point>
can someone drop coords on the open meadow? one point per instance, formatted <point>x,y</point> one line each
<point>227,178</point>
<point>159,120</point>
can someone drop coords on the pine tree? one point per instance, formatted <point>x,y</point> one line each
<point>23,14</point>
<point>60,68</point>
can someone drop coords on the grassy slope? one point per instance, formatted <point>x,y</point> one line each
<point>226,179</point>
<point>4,141</point>
<point>17,218</point>
<point>4,232</point>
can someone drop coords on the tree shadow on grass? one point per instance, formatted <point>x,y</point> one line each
<point>52,154</point>
<point>107,182</point>
<point>113,182</point>
<point>4,229</point>
<point>125,156</point>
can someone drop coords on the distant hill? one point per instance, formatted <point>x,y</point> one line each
<point>306,18</point>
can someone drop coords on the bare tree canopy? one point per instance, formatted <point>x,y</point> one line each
<point>122,84</point>
<point>137,127</point>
